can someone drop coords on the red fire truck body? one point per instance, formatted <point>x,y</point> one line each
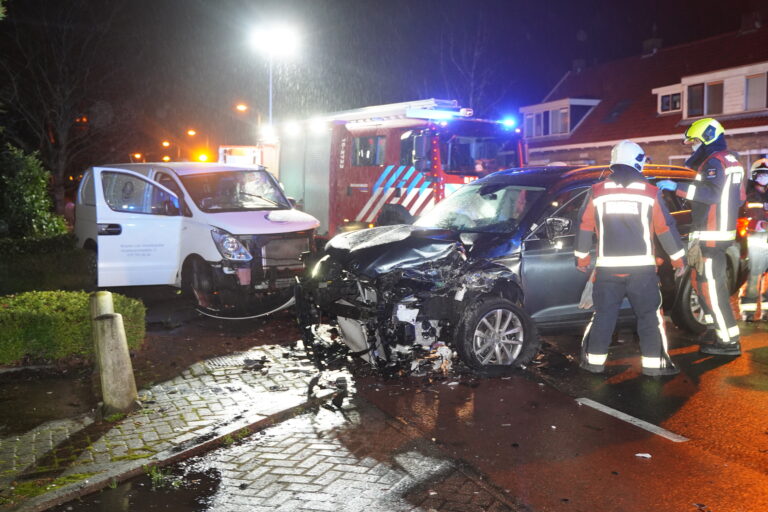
<point>399,158</point>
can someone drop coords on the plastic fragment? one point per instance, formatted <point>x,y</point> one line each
<point>643,455</point>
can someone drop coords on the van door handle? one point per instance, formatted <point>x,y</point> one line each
<point>110,229</point>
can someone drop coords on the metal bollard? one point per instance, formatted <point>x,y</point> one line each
<point>118,386</point>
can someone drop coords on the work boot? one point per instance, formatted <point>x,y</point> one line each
<point>594,368</point>
<point>661,372</point>
<point>718,348</point>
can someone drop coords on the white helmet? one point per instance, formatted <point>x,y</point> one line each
<point>759,166</point>
<point>628,153</point>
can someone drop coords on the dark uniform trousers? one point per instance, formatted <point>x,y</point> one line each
<point>642,289</point>
<point>712,287</point>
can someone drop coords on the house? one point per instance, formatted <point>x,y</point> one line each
<point>652,98</point>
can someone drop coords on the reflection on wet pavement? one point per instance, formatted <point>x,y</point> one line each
<point>350,459</point>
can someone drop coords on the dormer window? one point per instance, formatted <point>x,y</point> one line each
<point>669,102</point>
<point>555,118</point>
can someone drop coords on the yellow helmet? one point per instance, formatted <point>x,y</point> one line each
<point>705,130</point>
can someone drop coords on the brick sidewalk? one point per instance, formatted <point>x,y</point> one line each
<point>355,460</point>
<point>210,401</point>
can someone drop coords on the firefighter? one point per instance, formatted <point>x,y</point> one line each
<point>716,195</point>
<point>757,200</point>
<point>626,212</point>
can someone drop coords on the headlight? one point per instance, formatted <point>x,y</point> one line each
<point>318,266</point>
<point>229,246</point>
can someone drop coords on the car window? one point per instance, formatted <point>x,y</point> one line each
<point>566,205</point>
<point>130,194</point>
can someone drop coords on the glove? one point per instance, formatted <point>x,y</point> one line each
<point>679,271</point>
<point>666,185</point>
<point>586,301</point>
<point>694,257</point>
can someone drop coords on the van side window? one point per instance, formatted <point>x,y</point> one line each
<point>127,193</point>
<point>87,193</point>
<point>171,184</point>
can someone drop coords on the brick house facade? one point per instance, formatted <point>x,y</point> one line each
<point>652,98</point>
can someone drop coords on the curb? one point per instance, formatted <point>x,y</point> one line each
<point>200,444</point>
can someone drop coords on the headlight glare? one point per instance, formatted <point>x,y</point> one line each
<point>229,246</point>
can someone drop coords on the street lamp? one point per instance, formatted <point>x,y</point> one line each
<point>275,41</point>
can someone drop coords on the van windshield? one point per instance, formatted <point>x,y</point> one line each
<point>235,191</point>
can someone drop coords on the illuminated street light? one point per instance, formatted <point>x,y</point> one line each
<point>275,41</point>
<point>137,156</point>
<point>292,128</point>
<point>202,157</point>
<point>241,107</point>
<point>268,133</point>
<point>318,126</point>
<point>166,158</point>
<point>165,144</point>
<point>191,132</point>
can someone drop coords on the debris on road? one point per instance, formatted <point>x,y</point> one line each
<point>643,455</point>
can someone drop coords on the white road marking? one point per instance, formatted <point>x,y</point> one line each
<point>650,427</point>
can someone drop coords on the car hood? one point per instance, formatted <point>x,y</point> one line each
<point>262,222</point>
<point>376,251</point>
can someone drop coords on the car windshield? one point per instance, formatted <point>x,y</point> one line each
<point>482,207</point>
<point>235,191</point>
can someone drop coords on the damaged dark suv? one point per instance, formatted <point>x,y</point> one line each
<point>483,272</point>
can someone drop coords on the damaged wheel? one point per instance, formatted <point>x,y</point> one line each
<point>496,335</point>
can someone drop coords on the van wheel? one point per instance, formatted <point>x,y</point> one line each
<point>196,283</point>
<point>687,313</point>
<point>496,336</point>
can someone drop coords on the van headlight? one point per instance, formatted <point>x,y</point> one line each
<point>229,246</point>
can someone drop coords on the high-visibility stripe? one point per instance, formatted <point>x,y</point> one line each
<point>725,196</point>
<point>679,254</point>
<point>755,205</point>
<point>646,230</point>
<point>382,177</point>
<point>415,181</point>
<point>596,358</point>
<point>734,169</point>
<point>394,177</point>
<point>697,178</point>
<point>636,185</point>
<point>749,306</point>
<point>653,362</point>
<point>662,331</point>
<point>624,197</point>
<point>374,197</point>
<point>580,254</point>
<point>722,332</point>
<point>424,194</point>
<point>410,195</point>
<point>376,209</point>
<point>708,318</point>
<point>731,333</point>
<point>600,244</point>
<point>406,177</point>
<point>625,261</point>
<point>691,192</point>
<point>714,236</point>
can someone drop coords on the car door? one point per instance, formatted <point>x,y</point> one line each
<point>139,225</point>
<point>552,283</point>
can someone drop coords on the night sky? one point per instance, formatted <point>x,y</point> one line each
<point>187,62</point>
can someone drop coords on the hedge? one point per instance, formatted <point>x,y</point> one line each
<point>36,245</point>
<point>56,324</point>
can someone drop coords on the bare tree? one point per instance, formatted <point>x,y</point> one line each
<point>468,67</point>
<point>57,69</point>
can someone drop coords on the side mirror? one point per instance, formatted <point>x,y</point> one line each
<point>557,226</point>
<point>421,152</point>
<point>171,207</point>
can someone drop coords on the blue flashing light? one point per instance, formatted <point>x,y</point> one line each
<point>509,122</point>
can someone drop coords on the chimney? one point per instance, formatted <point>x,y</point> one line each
<point>651,46</point>
<point>750,22</point>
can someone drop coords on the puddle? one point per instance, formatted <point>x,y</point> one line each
<point>29,398</point>
<point>173,489</point>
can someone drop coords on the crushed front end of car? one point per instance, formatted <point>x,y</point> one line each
<point>399,294</point>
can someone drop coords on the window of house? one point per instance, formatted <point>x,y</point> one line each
<point>695,100</point>
<point>559,120</point>
<point>538,124</point>
<point>529,125</point>
<point>545,123</point>
<point>368,150</point>
<point>757,92</point>
<point>670,102</point>
<point>714,95</point>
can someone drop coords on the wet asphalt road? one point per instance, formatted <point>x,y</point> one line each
<point>543,451</point>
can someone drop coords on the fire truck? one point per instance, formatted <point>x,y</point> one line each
<point>389,163</point>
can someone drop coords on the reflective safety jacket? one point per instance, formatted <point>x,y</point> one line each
<point>626,220</point>
<point>754,208</point>
<point>716,195</point>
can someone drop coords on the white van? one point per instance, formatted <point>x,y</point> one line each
<point>225,234</point>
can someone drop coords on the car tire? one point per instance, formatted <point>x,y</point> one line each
<point>492,317</point>
<point>687,313</point>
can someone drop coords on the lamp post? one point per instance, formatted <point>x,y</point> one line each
<point>274,41</point>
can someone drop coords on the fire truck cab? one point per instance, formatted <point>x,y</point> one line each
<point>388,163</point>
